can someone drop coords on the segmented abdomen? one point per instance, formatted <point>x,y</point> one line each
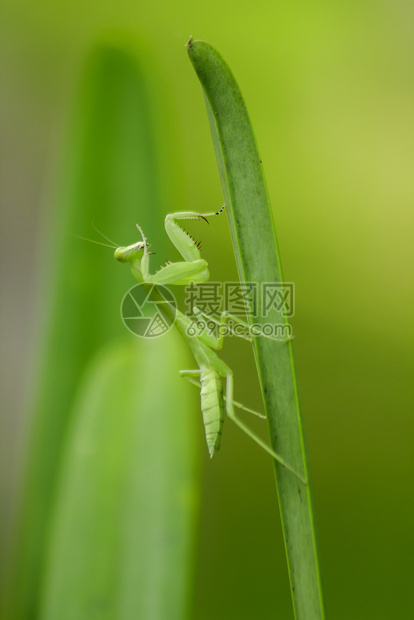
<point>212,408</point>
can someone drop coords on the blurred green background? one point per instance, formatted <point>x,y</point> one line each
<point>330,91</point>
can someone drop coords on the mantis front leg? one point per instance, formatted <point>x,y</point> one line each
<point>193,269</point>
<point>188,247</point>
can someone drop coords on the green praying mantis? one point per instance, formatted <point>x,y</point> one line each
<point>202,344</point>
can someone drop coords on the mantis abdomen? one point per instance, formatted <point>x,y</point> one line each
<point>212,407</point>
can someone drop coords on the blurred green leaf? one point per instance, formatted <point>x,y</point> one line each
<point>111,177</point>
<point>121,542</point>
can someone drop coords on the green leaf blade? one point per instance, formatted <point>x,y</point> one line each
<point>254,241</point>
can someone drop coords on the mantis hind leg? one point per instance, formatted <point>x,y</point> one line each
<point>246,429</point>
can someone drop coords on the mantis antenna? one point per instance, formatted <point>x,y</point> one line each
<point>106,245</point>
<point>115,245</point>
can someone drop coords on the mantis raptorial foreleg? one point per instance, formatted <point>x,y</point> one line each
<point>193,269</point>
<point>180,273</point>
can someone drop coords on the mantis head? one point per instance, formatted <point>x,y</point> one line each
<point>131,253</point>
